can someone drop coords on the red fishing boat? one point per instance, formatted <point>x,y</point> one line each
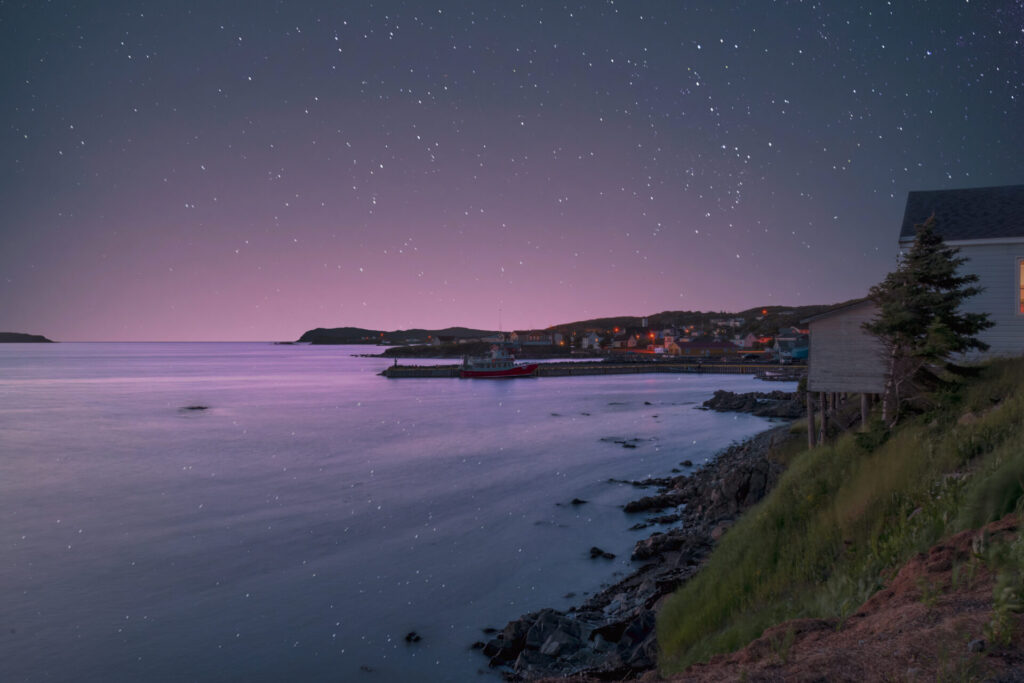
<point>499,365</point>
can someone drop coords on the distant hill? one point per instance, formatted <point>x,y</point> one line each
<point>771,319</point>
<point>358,335</point>
<point>21,338</point>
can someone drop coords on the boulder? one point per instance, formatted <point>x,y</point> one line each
<point>559,643</point>
<point>675,539</point>
<point>530,663</point>
<point>638,646</point>
<point>552,623</point>
<point>659,502</point>
<point>492,647</point>
<point>778,404</point>
<point>507,646</point>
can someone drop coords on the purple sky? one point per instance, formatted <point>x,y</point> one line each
<point>247,171</point>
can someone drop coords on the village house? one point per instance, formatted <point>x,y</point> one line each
<point>534,338</point>
<point>633,338</point>
<point>845,358</point>
<point>667,339</point>
<point>790,344</point>
<point>591,341</point>
<point>747,341</point>
<point>704,349</point>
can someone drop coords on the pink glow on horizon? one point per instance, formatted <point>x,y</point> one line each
<point>224,176</point>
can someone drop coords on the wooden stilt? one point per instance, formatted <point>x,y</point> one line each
<point>810,419</point>
<point>823,428</point>
<point>865,409</point>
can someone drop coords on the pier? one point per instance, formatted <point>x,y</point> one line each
<point>766,372</point>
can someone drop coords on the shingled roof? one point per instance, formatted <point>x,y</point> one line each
<point>970,214</point>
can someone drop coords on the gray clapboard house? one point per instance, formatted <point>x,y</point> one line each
<point>987,225</point>
<point>843,359</point>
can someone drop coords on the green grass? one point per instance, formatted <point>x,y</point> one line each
<point>845,514</point>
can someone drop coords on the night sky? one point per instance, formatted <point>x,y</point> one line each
<point>249,170</point>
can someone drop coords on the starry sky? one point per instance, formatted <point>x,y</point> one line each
<point>204,170</point>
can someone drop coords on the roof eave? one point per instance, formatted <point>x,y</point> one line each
<point>837,309</point>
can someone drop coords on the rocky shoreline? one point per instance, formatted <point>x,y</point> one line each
<point>611,635</point>
<point>778,404</point>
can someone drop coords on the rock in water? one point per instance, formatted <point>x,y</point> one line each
<point>778,404</point>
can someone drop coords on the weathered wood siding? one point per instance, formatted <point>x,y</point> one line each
<point>999,273</point>
<point>843,357</point>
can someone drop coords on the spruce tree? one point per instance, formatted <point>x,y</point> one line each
<point>918,320</point>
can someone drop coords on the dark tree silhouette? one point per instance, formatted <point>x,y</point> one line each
<point>918,320</point>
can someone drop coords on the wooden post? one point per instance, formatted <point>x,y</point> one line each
<point>864,410</point>
<point>810,419</point>
<point>822,429</point>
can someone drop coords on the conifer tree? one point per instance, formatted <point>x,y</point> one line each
<point>918,319</point>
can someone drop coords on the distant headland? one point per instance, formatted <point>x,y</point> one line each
<point>22,338</point>
<point>358,335</point>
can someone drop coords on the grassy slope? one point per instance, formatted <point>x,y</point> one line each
<point>845,515</point>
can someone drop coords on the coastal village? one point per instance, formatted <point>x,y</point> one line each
<point>757,335</point>
<point>721,338</point>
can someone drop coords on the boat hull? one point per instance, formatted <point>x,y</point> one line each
<point>529,370</point>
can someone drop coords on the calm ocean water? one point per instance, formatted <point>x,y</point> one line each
<point>314,514</point>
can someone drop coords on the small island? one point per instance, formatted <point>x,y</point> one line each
<point>22,338</point>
